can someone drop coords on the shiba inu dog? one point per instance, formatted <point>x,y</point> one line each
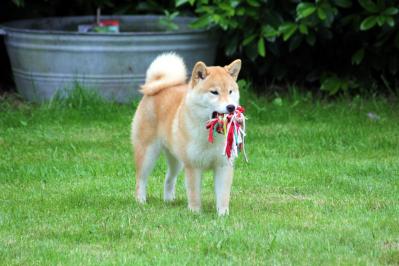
<point>171,117</point>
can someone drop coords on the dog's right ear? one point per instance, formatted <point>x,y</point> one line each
<point>199,73</point>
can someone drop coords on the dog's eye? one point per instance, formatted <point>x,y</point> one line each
<point>215,92</point>
<point>230,91</point>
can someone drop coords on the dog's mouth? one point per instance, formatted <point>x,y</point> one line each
<point>215,114</point>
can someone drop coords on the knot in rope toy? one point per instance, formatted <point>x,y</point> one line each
<point>232,125</point>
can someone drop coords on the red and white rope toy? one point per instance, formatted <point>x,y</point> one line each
<point>233,127</point>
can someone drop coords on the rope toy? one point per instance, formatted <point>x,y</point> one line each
<point>232,125</point>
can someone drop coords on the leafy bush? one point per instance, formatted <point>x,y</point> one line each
<point>337,45</point>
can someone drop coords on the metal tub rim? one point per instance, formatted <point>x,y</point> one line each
<point>11,26</point>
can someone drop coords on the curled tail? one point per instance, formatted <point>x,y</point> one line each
<point>165,71</point>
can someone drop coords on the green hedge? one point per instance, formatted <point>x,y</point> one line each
<point>334,45</point>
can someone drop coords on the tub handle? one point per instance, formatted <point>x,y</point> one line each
<point>3,32</point>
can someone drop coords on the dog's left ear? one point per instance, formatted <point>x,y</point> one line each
<point>199,73</point>
<point>234,68</point>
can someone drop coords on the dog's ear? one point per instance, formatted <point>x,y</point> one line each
<point>234,68</point>
<point>199,73</point>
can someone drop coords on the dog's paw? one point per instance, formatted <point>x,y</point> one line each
<point>169,197</point>
<point>223,211</point>
<point>141,199</point>
<point>194,209</point>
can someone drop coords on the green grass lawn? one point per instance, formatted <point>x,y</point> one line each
<point>322,187</point>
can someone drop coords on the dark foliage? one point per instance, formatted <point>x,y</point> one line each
<point>334,45</point>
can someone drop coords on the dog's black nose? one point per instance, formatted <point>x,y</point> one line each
<point>230,108</point>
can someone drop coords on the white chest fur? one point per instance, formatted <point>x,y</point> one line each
<point>202,153</point>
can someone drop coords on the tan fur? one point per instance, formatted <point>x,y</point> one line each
<point>172,118</point>
<point>155,86</point>
<point>167,70</point>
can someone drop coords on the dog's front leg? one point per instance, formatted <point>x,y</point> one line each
<point>193,187</point>
<point>223,181</point>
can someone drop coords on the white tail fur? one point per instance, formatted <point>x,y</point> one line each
<point>165,71</point>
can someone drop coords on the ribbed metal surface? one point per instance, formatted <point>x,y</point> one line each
<point>46,57</point>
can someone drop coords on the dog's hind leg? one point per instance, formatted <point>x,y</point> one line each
<point>174,167</point>
<point>145,157</point>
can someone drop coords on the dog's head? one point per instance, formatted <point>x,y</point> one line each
<point>214,89</point>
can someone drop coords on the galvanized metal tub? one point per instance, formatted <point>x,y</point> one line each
<point>49,55</point>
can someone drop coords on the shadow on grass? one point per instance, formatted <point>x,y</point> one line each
<point>159,202</point>
<point>208,207</point>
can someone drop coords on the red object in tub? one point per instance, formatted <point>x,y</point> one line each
<point>109,22</point>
